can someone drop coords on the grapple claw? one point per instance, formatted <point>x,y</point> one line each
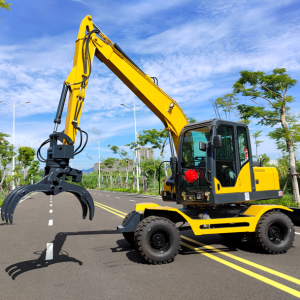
<point>83,205</point>
<point>51,184</point>
<point>7,200</point>
<point>56,172</point>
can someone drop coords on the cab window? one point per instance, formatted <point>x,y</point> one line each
<point>192,156</point>
<point>225,157</point>
<point>243,146</point>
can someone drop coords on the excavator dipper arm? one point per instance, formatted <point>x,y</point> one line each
<point>91,41</point>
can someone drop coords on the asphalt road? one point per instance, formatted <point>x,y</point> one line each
<point>72,258</point>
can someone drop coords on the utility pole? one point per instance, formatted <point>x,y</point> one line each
<point>99,178</point>
<point>136,138</point>
<point>14,113</point>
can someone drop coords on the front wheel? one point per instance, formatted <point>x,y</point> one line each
<point>158,240</point>
<point>274,233</point>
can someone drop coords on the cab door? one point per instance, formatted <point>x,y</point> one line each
<point>232,168</point>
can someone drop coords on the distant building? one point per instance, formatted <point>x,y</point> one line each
<point>274,162</point>
<point>146,152</point>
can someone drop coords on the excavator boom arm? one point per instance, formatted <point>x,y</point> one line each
<point>142,85</point>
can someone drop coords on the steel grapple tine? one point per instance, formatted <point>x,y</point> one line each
<point>83,194</point>
<point>7,201</point>
<point>83,204</point>
<point>11,206</point>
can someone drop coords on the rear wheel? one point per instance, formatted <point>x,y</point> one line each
<point>158,240</point>
<point>129,236</point>
<point>274,233</point>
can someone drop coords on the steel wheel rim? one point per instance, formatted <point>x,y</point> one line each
<point>277,233</point>
<point>160,241</point>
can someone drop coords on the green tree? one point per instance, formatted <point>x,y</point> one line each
<point>192,120</point>
<point>26,156</point>
<point>34,169</point>
<point>256,135</point>
<point>228,103</point>
<point>6,156</point>
<point>123,163</point>
<point>266,158</point>
<point>109,163</point>
<point>5,5</point>
<point>157,138</point>
<point>269,94</point>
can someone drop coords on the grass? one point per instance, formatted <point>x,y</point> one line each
<point>1,200</point>
<point>130,190</point>
<point>286,200</point>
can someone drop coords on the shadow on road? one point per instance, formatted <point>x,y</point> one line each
<point>131,253</point>
<point>5,224</point>
<point>59,255</point>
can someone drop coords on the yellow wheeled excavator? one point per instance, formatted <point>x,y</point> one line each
<point>214,176</point>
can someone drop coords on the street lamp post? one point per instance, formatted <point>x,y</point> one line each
<point>14,109</point>
<point>135,136</point>
<point>99,179</point>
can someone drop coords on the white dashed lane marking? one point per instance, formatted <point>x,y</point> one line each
<point>50,211</point>
<point>50,204</point>
<point>50,223</point>
<point>132,200</point>
<point>297,232</point>
<point>49,251</point>
<point>118,197</point>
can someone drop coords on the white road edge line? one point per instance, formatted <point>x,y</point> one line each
<point>50,223</point>
<point>50,211</point>
<point>297,232</point>
<point>49,251</point>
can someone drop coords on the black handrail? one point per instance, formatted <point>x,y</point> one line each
<point>159,175</point>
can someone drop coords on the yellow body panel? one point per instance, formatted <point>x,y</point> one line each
<point>252,216</point>
<point>142,206</point>
<point>243,183</point>
<point>268,179</point>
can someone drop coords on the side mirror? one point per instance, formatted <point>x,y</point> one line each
<point>202,146</point>
<point>218,141</point>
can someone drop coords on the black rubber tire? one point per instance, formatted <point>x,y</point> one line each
<point>275,233</point>
<point>157,239</point>
<point>128,236</point>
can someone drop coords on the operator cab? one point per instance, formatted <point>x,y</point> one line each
<point>211,156</point>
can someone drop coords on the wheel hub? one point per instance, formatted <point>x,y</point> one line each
<point>274,232</point>
<point>158,240</point>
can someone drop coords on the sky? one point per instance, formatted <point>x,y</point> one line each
<point>196,49</point>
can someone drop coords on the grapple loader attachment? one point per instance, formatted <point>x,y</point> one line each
<point>54,181</point>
